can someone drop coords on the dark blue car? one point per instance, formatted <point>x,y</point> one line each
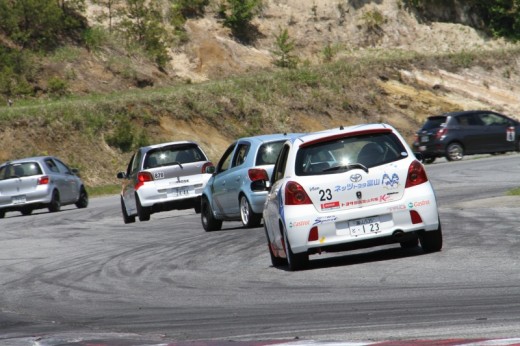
<point>453,135</point>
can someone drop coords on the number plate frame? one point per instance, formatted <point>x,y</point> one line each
<point>367,225</point>
<point>20,199</point>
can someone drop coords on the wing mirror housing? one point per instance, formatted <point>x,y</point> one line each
<point>121,175</point>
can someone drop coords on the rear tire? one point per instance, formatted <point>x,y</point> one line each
<point>2,214</point>
<point>249,218</point>
<point>429,160</point>
<point>454,152</point>
<point>142,212</point>
<point>209,223</point>
<point>295,261</point>
<point>55,204</point>
<point>126,218</point>
<point>82,201</point>
<point>431,241</point>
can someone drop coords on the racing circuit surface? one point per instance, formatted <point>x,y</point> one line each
<point>82,274</point>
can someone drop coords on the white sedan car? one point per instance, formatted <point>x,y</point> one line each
<point>348,188</point>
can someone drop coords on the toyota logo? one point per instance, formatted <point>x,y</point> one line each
<point>356,178</point>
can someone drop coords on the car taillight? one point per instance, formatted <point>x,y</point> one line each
<point>313,234</point>
<point>416,218</point>
<point>295,194</point>
<point>206,165</point>
<point>256,174</point>
<point>43,180</point>
<point>143,177</point>
<point>441,133</point>
<point>416,174</point>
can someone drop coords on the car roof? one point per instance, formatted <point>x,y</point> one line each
<point>160,145</point>
<point>458,113</point>
<point>269,138</point>
<point>25,159</point>
<point>343,130</point>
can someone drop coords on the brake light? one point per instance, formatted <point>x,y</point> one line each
<point>313,234</point>
<point>43,180</point>
<point>416,218</point>
<point>206,165</point>
<point>143,177</point>
<point>295,194</point>
<point>416,174</point>
<point>256,174</point>
<point>441,133</point>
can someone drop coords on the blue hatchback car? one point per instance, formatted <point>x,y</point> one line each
<point>236,191</point>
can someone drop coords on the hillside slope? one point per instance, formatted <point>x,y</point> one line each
<point>356,31</point>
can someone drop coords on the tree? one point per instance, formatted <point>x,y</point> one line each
<point>39,24</point>
<point>238,15</point>
<point>110,10</point>
<point>143,24</point>
<point>285,47</point>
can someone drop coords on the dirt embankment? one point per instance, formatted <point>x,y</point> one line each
<point>352,29</point>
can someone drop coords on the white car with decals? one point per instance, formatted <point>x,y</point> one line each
<point>374,192</point>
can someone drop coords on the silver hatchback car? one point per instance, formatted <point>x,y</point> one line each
<point>39,182</point>
<point>236,190</point>
<point>163,177</point>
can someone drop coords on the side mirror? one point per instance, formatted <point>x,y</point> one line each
<point>121,175</point>
<point>210,169</point>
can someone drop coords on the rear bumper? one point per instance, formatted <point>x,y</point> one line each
<point>33,200</point>
<point>396,223</point>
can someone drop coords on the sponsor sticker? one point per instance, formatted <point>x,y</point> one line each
<point>299,223</point>
<point>330,205</point>
<point>320,220</point>
<point>418,204</point>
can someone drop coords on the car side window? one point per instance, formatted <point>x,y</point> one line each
<point>225,161</point>
<point>63,167</point>
<point>240,154</point>
<point>52,166</point>
<point>279,167</point>
<point>491,119</point>
<point>136,162</point>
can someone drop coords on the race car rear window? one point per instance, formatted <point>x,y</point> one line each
<point>341,154</point>
<point>172,155</point>
<point>434,122</point>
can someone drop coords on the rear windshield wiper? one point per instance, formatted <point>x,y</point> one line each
<point>347,167</point>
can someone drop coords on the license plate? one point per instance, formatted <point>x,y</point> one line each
<point>422,148</point>
<point>368,225</point>
<point>179,192</point>
<point>19,199</point>
<point>424,139</point>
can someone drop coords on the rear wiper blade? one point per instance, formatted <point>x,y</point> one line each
<point>347,167</point>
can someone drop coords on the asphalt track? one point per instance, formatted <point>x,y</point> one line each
<point>82,277</point>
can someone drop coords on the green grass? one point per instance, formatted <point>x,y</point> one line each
<point>514,192</point>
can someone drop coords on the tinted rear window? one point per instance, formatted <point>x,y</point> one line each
<point>434,122</point>
<point>172,155</point>
<point>268,153</point>
<point>19,170</point>
<point>336,155</point>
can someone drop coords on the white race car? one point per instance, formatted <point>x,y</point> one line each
<point>348,188</point>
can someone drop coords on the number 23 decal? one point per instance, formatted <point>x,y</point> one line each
<point>325,195</point>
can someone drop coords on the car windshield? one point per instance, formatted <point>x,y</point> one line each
<point>434,122</point>
<point>346,153</point>
<point>268,153</point>
<point>19,170</point>
<point>173,155</point>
